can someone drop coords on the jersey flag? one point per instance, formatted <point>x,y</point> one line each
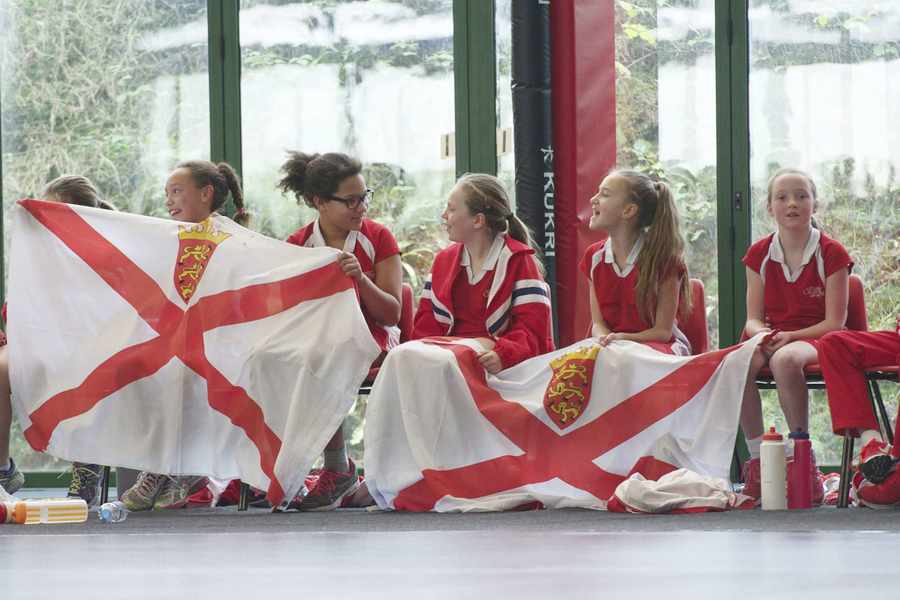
<point>562,429</point>
<point>179,348</point>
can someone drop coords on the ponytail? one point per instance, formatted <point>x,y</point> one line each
<point>241,217</point>
<point>663,251</point>
<point>308,176</point>
<point>224,181</point>
<point>486,195</point>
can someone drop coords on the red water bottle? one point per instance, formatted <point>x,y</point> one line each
<point>800,480</point>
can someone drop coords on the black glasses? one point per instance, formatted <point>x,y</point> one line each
<point>353,202</point>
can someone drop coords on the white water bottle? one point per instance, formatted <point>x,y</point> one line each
<point>112,512</point>
<point>772,471</point>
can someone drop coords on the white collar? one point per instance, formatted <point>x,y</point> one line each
<point>776,251</point>
<point>489,264</point>
<point>609,257</point>
<point>317,240</point>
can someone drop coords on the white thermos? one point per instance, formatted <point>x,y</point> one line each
<point>772,471</point>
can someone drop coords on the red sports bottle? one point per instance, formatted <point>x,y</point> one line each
<point>800,482</point>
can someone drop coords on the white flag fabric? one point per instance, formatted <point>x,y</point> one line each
<point>680,491</point>
<point>201,349</point>
<point>563,429</point>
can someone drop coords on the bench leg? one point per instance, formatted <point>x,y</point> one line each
<point>846,461</point>
<point>875,397</point>
<point>104,485</point>
<point>244,501</point>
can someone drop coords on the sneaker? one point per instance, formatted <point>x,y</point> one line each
<point>329,489</point>
<point>752,479</point>
<point>85,483</point>
<point>204,498</point>
<point>875,461</point>
<point>142,495</point>
<point>815,481</point>
<point>881,495</point>
<point>309,482</point>
<point>12,479</point>
<point>175,492</point>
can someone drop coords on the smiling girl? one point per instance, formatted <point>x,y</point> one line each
<point>194,191</point>
<point>334,186</point>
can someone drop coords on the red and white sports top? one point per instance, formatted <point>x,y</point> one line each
<point>370,245</point>
<point>616,289</point>
<point>795,301</point>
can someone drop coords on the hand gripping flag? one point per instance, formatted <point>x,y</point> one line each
<point>563,429</point>
<point>201,349</point>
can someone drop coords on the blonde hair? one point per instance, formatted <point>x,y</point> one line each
<point>485,194</point>
<point>663,248</point>
<point>74,189</point>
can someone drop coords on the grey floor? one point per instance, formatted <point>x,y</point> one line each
<point>219,553</point>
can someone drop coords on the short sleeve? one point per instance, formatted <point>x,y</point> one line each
<point>676,269</point>
<point>756,253</point>
<point>587,260</point>
<point>835,257</point>
<point>385,244</point>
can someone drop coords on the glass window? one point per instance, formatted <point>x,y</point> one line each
<point>116,91</point>
<point>506,159</point>
<point>824,78</point>
<point>666,117</point>
<point>373,80</point>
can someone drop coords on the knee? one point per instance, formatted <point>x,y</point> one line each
<point>785,362</point>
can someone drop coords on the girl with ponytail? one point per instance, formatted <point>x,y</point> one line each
<point>639,278</point>
<point>194,191</point>
<point>488,285</point>
<point>198,188</point>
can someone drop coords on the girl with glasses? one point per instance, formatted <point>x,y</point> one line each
<point>333,184</point>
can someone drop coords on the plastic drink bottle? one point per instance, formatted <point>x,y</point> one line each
<point>62,510</point>
<point>112,512</point>
<point>800,489</point>
<point>772,471</point>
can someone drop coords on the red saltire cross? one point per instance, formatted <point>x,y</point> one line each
<point>180,334</point>
<point>546,454</point>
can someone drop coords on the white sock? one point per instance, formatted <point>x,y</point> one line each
<point>868,435</point>
<point>753,445</point>
<point>336,460</point>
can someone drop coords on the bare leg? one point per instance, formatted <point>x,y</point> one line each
<point>787,366</point>
<point>5,406</point>
<point>751,408</point>
<point>337,440</point>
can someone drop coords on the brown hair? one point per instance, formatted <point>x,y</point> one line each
<point>74,189</point>
<point>486,195</point>
<point>223,180</point>
<point>663,249</point>
<point>311,175</point>
<point>790,171</point>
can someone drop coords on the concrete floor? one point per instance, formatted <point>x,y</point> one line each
<point>219,553</point>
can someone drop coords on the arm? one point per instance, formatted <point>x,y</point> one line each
<point>528,333</point>
<point>837,292</point>
<point>756,319</point>
<point>598,325</point>
<point>424,323</point>
<point>381,297</point>
<point>664,323</point>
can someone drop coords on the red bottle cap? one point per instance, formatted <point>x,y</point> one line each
<point>772,435</point>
